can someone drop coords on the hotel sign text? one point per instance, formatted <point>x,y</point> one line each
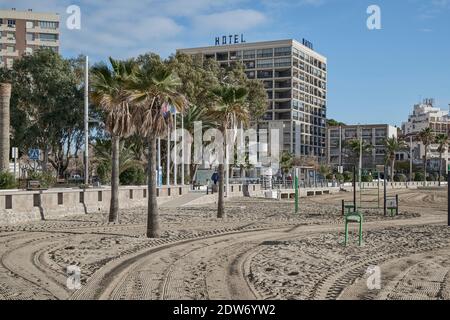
<point>231,39</point>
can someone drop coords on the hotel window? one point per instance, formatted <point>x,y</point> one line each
<point>10,36</point>
<point>11,23</point>
<point>266,63</point>
<point>48,25</point>
<point>286,51</point>
<point>10,49</point>
<point>282,62</point>
<point>249,54</point>
<point>265,53</point>
<point>30,24</point>
<point>250,74</point>
<point>265,74</point>
<point>235,55</point>
<point>49,37</point>
<point>210,56</point>
<point>249,64</point>
<point>222,56</point>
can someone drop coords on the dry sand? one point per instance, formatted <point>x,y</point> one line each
<point>304,260</point>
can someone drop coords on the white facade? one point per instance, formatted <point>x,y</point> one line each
<point>295,77</point>
<point>426,115</point>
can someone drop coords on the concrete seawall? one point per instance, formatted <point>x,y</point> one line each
<point>20,206</point>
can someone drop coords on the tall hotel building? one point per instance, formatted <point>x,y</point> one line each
<point>22,32</point>
<point>295,77</point>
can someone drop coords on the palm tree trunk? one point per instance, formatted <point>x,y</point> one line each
<point>425,167</point>
<point>440,168</point>
<point>5,97</point>
<point>152,213</point>
<point>114,206</point>
<point>392,169</point>
<point>221,207</point>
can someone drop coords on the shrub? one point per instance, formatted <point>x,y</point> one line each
<point>348,176</point>
<point>418,176</point>
<point>104,172</point>
<point>46,179</point>
<point>133,176</point>
<point>7,181</point>
<point>400,178</point>
<point>366,178</point>
<point>339,177</point>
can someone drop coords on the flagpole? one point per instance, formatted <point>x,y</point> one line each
<point>86,122</point>
<point>182,150</point>
<point>159,162</point>
<point>168,158</point>
<point>175,163</point>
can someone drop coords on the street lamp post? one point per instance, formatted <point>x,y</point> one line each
<point>86,122</point>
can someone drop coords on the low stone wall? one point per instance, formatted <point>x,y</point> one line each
<point>21,206</point>
<point>308,192</point>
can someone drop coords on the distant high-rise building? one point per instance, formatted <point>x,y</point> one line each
<point>295,77</point>
<point>22,32</point>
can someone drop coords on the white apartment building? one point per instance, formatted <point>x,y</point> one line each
<point>426,115</point>
<point>295,77</point>
<point>22,32</point>
<point>373,134</point>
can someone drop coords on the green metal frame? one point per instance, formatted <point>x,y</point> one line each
<point>354,217</point>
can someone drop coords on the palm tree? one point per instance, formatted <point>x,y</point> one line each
<point>127,155</point>
<point>442,141</point>
<point>111,94</point>
<point>426,136</point>
<point>192,115</point>
<point>5,97</point>
<point>230,109</point>
<point>155,90</point>
<point>286,164</point>
<point>354,148</point>
<point>393,145</point>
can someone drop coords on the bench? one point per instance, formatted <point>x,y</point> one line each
<point>353,217</point>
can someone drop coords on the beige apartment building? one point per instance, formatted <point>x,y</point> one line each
<point>295,77</point>
<point>22,32</point>
<point>374,134</point>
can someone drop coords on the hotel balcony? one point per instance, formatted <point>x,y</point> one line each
<point>283,73</point>
<point>285,105</point>
<point>282,95</point>
<point>283,84</point>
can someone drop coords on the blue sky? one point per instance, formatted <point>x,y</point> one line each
<point>374,76</point>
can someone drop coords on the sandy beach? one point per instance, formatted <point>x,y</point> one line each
<point>262,250</point>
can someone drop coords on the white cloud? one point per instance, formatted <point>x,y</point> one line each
<point>122,28</point>
<point>229,21</point>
